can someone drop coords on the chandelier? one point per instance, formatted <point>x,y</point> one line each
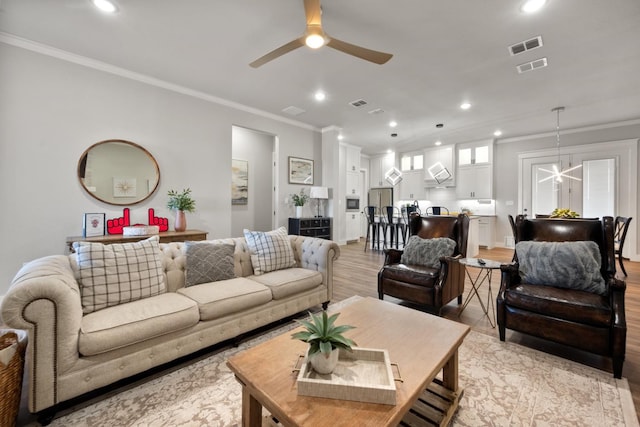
<point>557,174</point>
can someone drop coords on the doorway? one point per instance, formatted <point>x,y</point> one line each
<point>257,149</point>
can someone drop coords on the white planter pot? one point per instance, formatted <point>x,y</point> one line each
<point>324,364</point>
<point>299,211</point>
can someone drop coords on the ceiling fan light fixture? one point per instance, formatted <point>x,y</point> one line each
<point>315,37</point>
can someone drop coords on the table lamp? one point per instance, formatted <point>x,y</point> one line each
<point>319,193</point>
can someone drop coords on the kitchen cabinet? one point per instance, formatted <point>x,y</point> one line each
<point>486,231</point>
<point>353,225</point>
<point>476,153</point>
<point>439,163</point>
<point>475,182</point>
<point>352,179</point>
<point>412,186</point>
<point>352,157</point>
<point>379,167</point>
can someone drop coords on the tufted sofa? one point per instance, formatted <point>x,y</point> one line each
<point>70,354</point>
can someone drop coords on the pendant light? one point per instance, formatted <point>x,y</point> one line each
<point>557,174</point>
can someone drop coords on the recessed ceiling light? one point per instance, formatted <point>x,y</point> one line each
<point>105,6</point>
<point>320,96</point>
<point>532,6</point>
<point>497,133</point>
<point>438,143</point>
<point>393,123</point>
<point>389,151</point>
<point>340,137</point>
<point>465,105</point>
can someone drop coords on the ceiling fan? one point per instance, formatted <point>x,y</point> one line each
<point>315,37</point>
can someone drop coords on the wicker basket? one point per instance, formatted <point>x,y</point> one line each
<point>11,376</point>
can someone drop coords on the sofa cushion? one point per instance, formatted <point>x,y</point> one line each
<point>208,262</point>
<point>114,274</point>
<point>574,265</point>
<point>270,250</point>
<point>289,281</point>
<point>568,304</point>
<point>136,321</point>
<point>427,252</point>
<point>218,299</point>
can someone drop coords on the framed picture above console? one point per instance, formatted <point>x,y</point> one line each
<point>300,171</point>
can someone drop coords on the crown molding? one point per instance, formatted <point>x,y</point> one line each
<point>591,128</point>
<point>51,51</point>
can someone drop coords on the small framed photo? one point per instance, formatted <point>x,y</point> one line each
<point>300,171</point>
<point>93,224</point>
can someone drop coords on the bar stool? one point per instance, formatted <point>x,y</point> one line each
<point>372,227</point>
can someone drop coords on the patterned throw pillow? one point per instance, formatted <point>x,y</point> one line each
<point>427,252</point>
<point>574,265</point>
<point>113,274</point>
<point>208,262</point>
<point>270,250</point>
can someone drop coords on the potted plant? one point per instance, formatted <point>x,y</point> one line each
<point>181,203</point>
<point>325,340</point>
<point>299,201</point>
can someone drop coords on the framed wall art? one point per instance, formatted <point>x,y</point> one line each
<point>93,224</point>
<point>239,182</point>
<point>300,171</point>
<point>124,187</point>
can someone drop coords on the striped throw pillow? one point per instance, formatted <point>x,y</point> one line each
<point>270,250</point>
<point>114,274</point>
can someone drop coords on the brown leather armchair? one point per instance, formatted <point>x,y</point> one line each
<point>431,288</point>
<point>577,318</point>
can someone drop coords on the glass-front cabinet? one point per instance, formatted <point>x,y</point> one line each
<point>475,170</point>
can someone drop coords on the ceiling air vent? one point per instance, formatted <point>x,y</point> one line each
<point>376,111</point>
<point>358,103</point>
<point>526,45</point>
<point>529,66</point>
<point>293,111</point>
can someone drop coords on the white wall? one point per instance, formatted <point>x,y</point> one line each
<point>52,110</point>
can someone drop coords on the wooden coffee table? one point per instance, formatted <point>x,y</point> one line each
<point>421,344</point>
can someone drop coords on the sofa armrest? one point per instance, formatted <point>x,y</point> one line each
<point>44,300</point>
<point>316,254</point>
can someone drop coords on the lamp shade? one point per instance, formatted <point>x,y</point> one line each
<point>319,193</point>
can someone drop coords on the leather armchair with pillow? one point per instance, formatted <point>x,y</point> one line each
<point>426,272</point>
<point>562,286</point>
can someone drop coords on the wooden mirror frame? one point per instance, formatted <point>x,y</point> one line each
<point>123,176</point>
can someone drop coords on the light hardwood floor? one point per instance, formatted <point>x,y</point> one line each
<point>356,274</point>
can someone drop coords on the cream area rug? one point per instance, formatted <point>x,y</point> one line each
<point>505,384</point>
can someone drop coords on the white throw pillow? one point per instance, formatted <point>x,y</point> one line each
<point>270,250</point>
<point>113,274</point>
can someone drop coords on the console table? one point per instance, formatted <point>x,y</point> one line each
<point>312,227</point>
<point>165,237</point>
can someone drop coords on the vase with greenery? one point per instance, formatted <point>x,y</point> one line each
<point>325,340</point>
<point>181,203</point>
<point>299,200</point>
<point>563,213</point>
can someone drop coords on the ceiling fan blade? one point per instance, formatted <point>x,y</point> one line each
<point>313,12</point>
<point>294,44</point>
<point>361,52</point>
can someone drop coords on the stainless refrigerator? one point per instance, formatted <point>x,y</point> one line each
<point>380,197</point>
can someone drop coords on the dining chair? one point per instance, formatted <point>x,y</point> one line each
<point>621,228</point>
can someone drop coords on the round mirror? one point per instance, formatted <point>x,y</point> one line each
<point>118,172</point>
